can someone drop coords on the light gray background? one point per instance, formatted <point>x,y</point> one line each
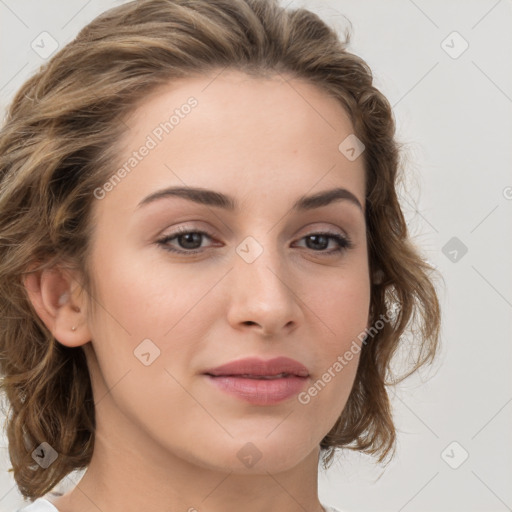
<point>454,115</point>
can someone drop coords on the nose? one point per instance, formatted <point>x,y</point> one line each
<point>263,296</point>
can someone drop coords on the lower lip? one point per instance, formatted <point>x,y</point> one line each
<point>260,391</point>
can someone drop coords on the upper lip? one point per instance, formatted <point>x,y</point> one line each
<point>260,368</point>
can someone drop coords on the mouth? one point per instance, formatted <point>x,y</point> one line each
<point>260,382</point>
<point>248,376</point>
<point>253,367</point>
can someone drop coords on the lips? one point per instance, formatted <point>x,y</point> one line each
<point>260,382</point>
<point>254,368</point>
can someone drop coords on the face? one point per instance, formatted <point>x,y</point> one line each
<point>187,282</point>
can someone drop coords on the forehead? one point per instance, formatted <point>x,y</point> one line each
<point>230,99</point>
<point>242,134</point>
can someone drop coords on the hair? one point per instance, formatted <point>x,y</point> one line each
<point>56,149</point>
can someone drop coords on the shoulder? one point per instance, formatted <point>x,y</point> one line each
<point>43,505</point>
<point>331,509</point>
<point>39,505</point>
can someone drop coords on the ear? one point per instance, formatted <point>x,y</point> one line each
<point>60,302</point>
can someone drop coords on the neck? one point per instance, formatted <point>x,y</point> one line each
<point>129,471</point>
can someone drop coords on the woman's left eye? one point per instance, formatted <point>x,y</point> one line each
<point>190,242</point>
<point>322,239</point>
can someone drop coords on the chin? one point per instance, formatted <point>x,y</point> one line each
<point>260,455</point>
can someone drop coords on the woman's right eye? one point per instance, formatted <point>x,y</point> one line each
<point>190,241</point>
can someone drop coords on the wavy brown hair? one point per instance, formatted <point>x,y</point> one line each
<point>56,148</point>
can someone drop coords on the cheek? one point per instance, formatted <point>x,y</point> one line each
<point>146,298</point>
<point>338,358</point>
<point>342,307</point>
<point>342,303</point>
<point>147,312</point>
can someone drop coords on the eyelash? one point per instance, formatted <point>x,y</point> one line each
<point>344,242</point>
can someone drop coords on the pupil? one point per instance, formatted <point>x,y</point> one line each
<point>192,240</point>
<point>317,239</point>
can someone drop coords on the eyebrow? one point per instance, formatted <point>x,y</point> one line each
<point>212,198</point>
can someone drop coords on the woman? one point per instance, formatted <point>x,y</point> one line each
<point>205,269</point>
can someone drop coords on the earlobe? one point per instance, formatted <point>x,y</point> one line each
<point>51,293</point>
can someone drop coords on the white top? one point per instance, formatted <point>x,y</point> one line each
<point>43,505</point>
<point>39,505</point>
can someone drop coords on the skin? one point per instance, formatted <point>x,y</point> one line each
<point>166,438</point>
